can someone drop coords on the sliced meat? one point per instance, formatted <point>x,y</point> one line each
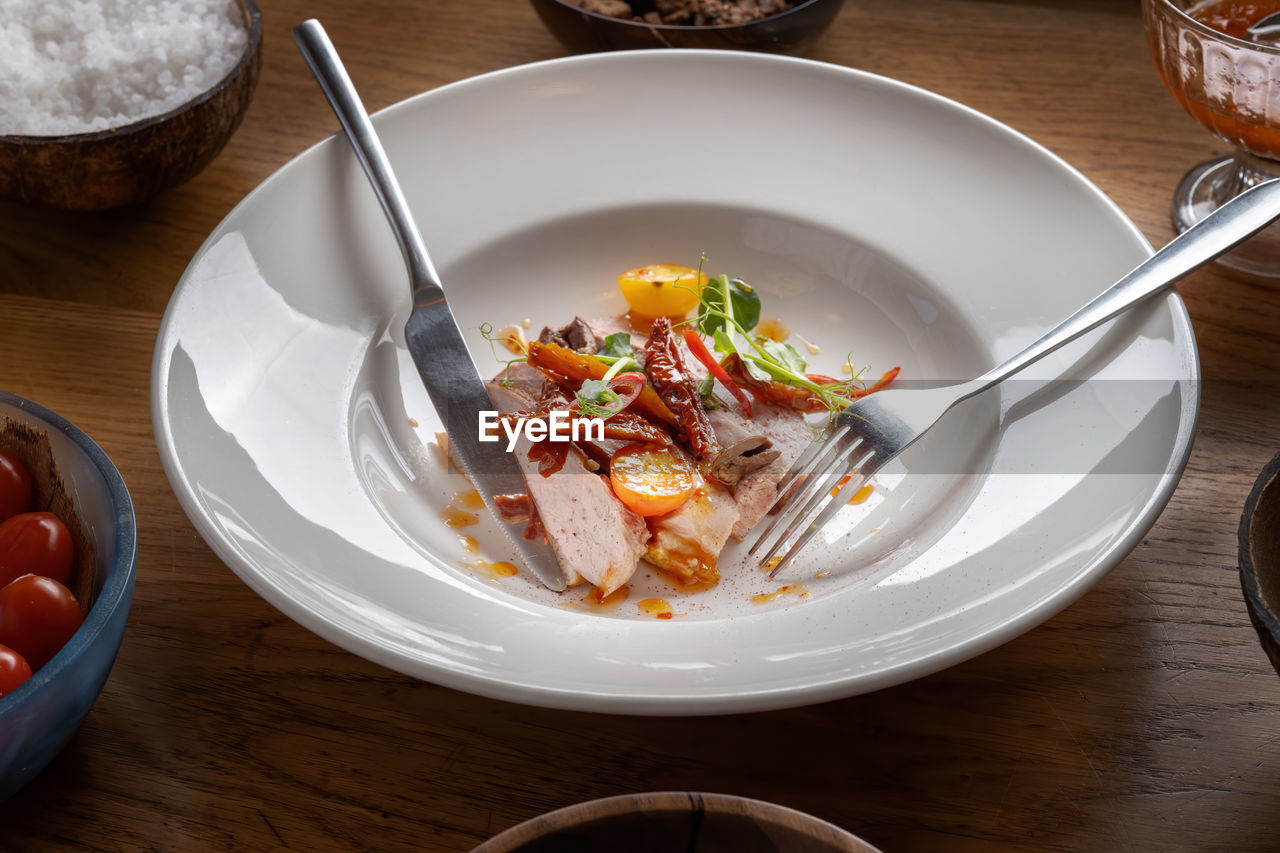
<point>756,491</point>
<point>576,336</point>
<point>741,458</point>
<point>513,509</point>
<point>524,378</point>
<point>595,536</point>
<point>611,325</point>
<point>687,543</point>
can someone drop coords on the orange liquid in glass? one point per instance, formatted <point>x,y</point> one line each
<point>1232,16</point>
<point>1248,130</point>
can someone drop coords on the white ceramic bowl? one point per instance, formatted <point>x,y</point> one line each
<point>874,218</point>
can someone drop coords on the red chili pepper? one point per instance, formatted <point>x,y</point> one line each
<point>888,377</point>
<point>702,354</point>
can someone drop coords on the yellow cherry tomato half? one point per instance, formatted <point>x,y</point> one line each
<point>662,290</point>
<point>652,480</point>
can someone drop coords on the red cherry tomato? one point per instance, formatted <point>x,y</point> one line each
<point>13,670</point>
<point>34,543</point>
<point>15,486</point>
<point>37,617</point>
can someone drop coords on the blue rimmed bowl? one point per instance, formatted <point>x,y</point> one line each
<point>38,718</point>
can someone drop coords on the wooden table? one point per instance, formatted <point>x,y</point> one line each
<point>1144,717</point>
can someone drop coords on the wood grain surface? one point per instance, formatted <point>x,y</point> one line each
<point>1144,717</point>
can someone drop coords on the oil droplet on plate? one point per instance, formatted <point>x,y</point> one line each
<point>455,518</point>
<point>500,569</point>
<point>456,514</point>
<point>862,494</point>
<point>656,607</point>
<point>773,329</point>
<point>470,546</point>
<point>606,603</point>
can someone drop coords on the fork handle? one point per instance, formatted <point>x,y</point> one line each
<point>1239,218</point>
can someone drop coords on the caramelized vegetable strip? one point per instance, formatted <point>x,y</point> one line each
<point>796,397</point>
<point>562,365</point>
<point>629,427</point>
<point>676,388</point>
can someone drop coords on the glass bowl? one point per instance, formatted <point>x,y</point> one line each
<point>1231,86</point>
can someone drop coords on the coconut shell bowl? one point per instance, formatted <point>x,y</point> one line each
<point>1260,558</point>
<point>130,164</point>
<point>676,820</point>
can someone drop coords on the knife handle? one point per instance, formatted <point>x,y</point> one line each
<point>328,69</point>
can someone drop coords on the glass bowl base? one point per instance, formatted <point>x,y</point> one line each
<point>1207,186</point>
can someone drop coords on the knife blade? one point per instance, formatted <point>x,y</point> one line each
<point>432,334</point>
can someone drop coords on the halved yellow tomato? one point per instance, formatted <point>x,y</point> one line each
<point>652,480</point>
<point>662,290</point>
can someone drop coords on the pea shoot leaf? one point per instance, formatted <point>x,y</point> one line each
<point>616,346</point>
<point>743,305</point>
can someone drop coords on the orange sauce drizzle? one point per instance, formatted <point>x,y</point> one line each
<point>456,514</point>
<point>500,569</point>
<point>639,322</point>
<point>606,603</point>
<point>862,494</point>
<point>773,329</point>
<point>656,607</point>
<point>771,563</point>
<point>822,573</point>
<point>455,518</point>
<point>790,589</point>
<point>469,545</point>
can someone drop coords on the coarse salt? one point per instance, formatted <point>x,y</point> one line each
<point>78,66</point>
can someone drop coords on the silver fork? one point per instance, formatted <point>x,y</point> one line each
<point>876,428</point>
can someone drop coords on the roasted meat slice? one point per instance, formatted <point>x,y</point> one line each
<point>595,536</point>
<point>687,543</point>
<point>756,490</point>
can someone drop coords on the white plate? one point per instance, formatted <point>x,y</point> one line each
<point>874,218</point>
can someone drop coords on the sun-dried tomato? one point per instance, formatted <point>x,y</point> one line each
<point>676,388</point>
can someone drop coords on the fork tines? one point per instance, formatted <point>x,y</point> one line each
<point>814,477</point>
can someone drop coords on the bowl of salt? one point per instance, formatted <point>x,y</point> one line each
<point>108,103</point>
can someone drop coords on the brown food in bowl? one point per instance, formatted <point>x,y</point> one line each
<point>695,13</point>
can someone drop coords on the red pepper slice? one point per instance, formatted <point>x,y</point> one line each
<point>888,377</point>
<point>699,351</point>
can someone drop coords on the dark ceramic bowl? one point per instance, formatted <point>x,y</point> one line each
<point>130,164</point>
<point>696,823</point>
<point>1260,558</point>
<point>791,32</point>
<point>78,483</point>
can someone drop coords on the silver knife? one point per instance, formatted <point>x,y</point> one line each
<point>434,339</point>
